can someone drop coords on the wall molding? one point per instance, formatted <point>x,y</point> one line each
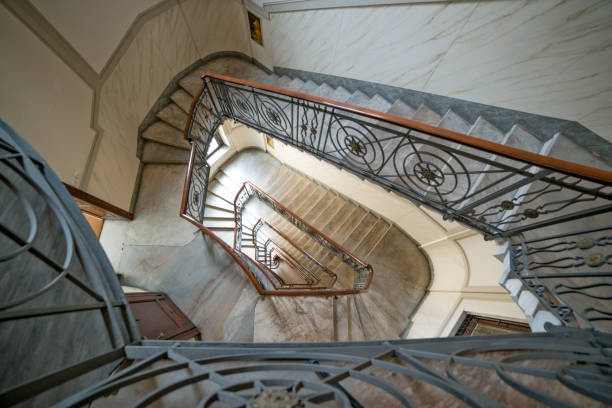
<point>29,15</point>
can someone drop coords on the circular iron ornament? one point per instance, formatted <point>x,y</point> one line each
<point>429,173</point>
<point>275,399</point>
<point>507,205</point>
<point>531,213</point>
<point>586,243</point>
<point>437,174</point>
<point>276,393</point>
<point>242,105</point>
<point>273,116</point>
<point>356,144</point>
<point>595,259</point>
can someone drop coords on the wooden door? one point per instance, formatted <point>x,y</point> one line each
<point>158,318</point>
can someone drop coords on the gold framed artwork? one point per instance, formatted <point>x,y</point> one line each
<point>255,27</point>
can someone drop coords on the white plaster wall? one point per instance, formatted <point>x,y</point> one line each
<point>550,57</point>
<point>94,28</point>
<point>44,100</point>
<point>163,47</point>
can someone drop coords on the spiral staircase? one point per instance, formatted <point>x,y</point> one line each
<point>549,217</point>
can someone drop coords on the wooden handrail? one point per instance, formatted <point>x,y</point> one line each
<point>550,163</point>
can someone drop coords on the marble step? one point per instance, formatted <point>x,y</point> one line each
<point>272,79</point>
<point>283,82</point>
<point>323,204</point>
<point>295,84</point>
<point>302,207</point>
<point>369,241</point>
<point>174,116</point>
<point>156,153</point>
<point>360,231</point>
<point>401,109</point>
<point>333,208</point>
<point>488,183</point>
<point>323,91</point>
<point>340,94</point>
<point>308,87</point>
<point>163,133</point>
<point>182,99</point>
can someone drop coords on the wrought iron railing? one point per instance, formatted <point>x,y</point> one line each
<point>362,271</point>
<point>45,362</point>
<point>503,192</point>
<point>311,271</point>
<point>569,274</point>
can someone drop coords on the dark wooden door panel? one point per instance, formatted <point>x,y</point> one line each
<point>159,318</point>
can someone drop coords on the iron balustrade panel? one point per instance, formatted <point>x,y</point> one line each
<point>493,194</point>
<point>564,368</point>
<point>62,308</point>
<point>571,275</point>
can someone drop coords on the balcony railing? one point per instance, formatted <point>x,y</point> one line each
<point>503,192</point>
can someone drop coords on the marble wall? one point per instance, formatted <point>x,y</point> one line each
<point>549,57</point>
<point>163,47</point>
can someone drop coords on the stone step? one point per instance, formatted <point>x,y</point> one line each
<point>401,109</point>
<point>283,82</point>
<point>308,87</point>
<point>182,99</point>
<point>329,198</point>
<point>163,133</point>
<point>323,91</point>
<point>361,230</point>
<point>295,84</point>
<point>316,193</point>
<point>156,153</point>
<point>174,116</point>
<point>340,94</point>
<point>369,241</point>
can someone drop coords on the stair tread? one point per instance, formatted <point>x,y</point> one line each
<point>521,138</point>
<point>425,115</point>
<point>182,99</point>
<point>369,241</point>
<point>454,122</point>
<point>483,129</point>
<point>358,98</point>
<point>323,204</point>
<point>311,200</point>
<point>295,84</point>
<point>323,91</point>
<point>163,133</point>
<point>340,94</point>
<point>401,109</point>
<point>173,115</point>
<point>308,87</point>
<point>160,153</point>
<point>360,231</point>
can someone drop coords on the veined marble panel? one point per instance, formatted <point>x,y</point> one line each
<point>306,40</point>
<point>161,49</point>
<point>548,57</point>
<point>217,25</point>
<point>400,46</point>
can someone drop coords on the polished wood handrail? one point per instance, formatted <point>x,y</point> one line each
<point>550,163</point>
